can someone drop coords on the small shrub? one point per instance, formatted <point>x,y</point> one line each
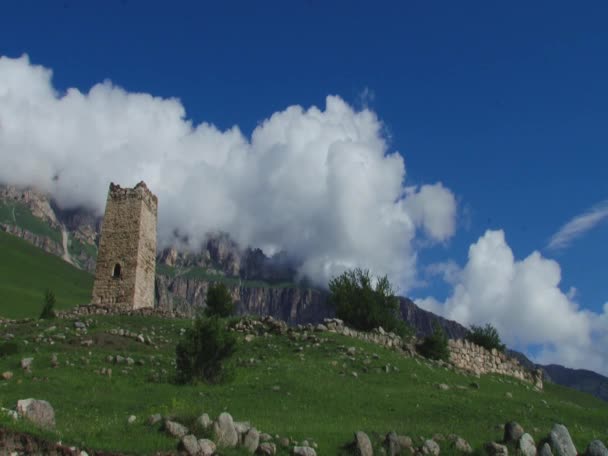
<point>48,309</point>
<point>435,346</point>
<point>8,348</point>
<point>364,306</point>
<point>219,302</point>
<point>203,350</point>
<point>486,337</point>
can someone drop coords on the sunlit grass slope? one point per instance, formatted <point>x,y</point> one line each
<point>300,389</point>
<point>27,271</point>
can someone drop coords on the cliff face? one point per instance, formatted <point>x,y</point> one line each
<point>422,321</point>
<point>291,304</point>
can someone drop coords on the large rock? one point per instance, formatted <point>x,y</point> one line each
<point>303,451</point>
<point>363,446</point>
<point>561,442</point>
<point>545,450</point>
<point>513,432</point>
<point>596,448</point>
<point>207,447</point>
<point>496,449</point>
<point>190,445</point>
<point>430,447</point>
<point>203,421</point>
<point>462,446</point>
<point>224,431</point>
<point>393,447</point>
<point>37,411</point>
<point>175,429</point>
<point>251,440</point>
<point>267,449</point>
<point>526,445</point>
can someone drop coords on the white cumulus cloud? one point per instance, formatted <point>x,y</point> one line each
<point>522,299</point>
<point>320,183</point>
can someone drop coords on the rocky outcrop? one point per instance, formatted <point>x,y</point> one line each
<point>292,304</point>
<point>422,321</point>
<point>42,242</point>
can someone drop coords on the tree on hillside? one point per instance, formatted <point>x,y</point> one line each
<point>364,306</point>
<point>487,337</point>
<point>48,309</point>
<point>435,346</point>
<point>203,350</point>
<point>219,302</point>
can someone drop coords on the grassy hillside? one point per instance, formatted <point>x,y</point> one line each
<point>26,271</point>
<point>304,393</point>
<point>18,214</point>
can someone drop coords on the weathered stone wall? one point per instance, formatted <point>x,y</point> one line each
<point>473,358</point>
<point>128,239</point>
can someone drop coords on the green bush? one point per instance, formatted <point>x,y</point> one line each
<point>48,309</point>
<point>435,346</point>
<point>486,337</point>
<point>365,307</point>
<point>219,302</point>
<point>8,348</point>
<point>204,348</point>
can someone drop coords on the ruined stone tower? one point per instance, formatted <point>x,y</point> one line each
<point>126,262</point>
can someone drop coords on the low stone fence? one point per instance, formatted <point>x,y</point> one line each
<point>473,358</point>
<point>94,309</point>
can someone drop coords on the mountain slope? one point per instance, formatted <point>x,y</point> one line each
<point>260,285</point>
<point>26,272</point>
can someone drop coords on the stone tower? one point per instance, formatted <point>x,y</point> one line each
<point>126,261</point>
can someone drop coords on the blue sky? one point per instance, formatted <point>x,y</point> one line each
<point>505,104</point>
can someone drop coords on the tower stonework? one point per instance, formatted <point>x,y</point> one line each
<point>126,261</point>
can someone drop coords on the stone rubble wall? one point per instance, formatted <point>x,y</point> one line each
<point>473,358</point>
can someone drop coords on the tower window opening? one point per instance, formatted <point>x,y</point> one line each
<point>116,271</point>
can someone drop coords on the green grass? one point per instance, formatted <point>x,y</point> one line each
<point>75,247</point>
<point>18,214</point>
<point>318,397</point>
<point>27,271</point>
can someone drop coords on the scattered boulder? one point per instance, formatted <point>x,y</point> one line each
<point>207,447</point>
<point>251,440</point>
<point>131,419</point>
<point>496,449</point>
<point>461,445</point>
<point>175,429</point>
<point>513,432</point>
<point>393,447</point>
<point>443,386</point>
<point>526,445</point>
<point>37,411</point>
<point>596,448</point>
<point>190,445</point>
<point>405,442</point>
<point>545,450</point>
<point>303,451</point>
<point>224,431</point>
<point>26,364</point>
<point>154,419</point>
<point>7,375</point>
<point>430,447</point>
<point>561,442</point>
<point>362,444</point>
<point>204,421</point>
<point>267,449</point>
